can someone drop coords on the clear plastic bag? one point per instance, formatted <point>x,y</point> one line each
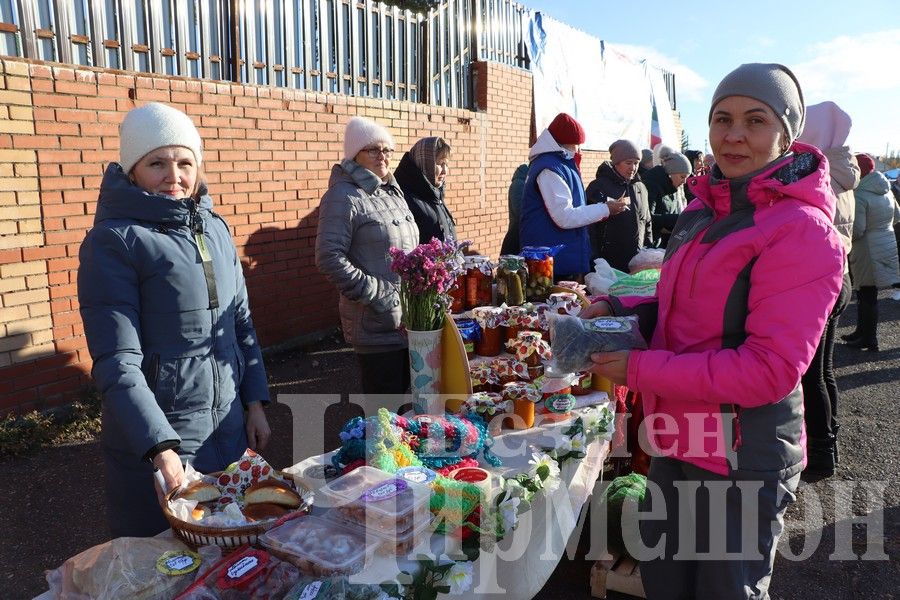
<point>574,339</point>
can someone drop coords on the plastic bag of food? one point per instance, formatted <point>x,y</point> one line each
<point>603,276</point>
<point>145,568</point>
<point>574,339</point>
<point>642,283</point>
<point>335,588</point>
<point>628,488</point>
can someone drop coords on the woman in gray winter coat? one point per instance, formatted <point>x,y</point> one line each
<point>873,259</point>
<point>361,216</point>
<point>168,326</point>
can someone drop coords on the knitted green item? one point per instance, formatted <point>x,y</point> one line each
<point>628,488</point>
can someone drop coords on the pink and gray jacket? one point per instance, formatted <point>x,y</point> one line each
<point>751,272</point>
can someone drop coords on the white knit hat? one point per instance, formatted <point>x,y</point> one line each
<point>153,126</point>
<point>361,132</point>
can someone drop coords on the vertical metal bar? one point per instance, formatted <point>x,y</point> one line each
<point>234,21</point>
<point>62,15</point>
<point>153,19</point>
<point>462,19</point>
<point>383,49</point>
<point>129,23</point>
<point>288,21</point>
<point>442,54</point>
<point>204,18</point>
<point>450,40</point>
<point>361,47</point>
<point>340,30</point>
<point>324,45</point>
<point>409,76</point>
<point>250,40</point>
<point>26,8</point>
<point>182,24</point>
<point>395,53</point>
<point>98,33</point>
<point>309,38</point>
<point>269,33</point>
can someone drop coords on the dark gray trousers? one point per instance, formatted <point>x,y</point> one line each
<point>720,532</point>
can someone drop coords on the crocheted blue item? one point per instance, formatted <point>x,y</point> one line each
<point>355,447</point>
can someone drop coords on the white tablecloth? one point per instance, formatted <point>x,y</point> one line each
<point>520,565</point>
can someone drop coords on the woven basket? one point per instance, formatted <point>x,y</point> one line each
<point>228,538</point>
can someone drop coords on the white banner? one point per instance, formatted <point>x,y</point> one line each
<point>606,91</point>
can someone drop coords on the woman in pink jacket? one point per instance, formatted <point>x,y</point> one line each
<point>751,273</point>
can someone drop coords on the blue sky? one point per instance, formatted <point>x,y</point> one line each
<point>848,53</point>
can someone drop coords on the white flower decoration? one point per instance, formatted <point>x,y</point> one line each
<point>460,578</point>
<point>509,513</point>
<point>544,467</point>
<point>577,443</point>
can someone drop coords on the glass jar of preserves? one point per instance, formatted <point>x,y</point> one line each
<point>489,319</point>
<point>511,279</point>
<point>458,294</point>
<point>479,281</point>
<point>470,333</point>
<point>539,260</point>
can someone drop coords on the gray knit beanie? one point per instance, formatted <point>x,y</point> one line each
<point>676,163</point>
<point>772,84</point>
<point>621,150</point>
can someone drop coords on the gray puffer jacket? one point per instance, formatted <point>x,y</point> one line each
<point>873,260</point>
<point>360,219</point>
<point>175,353</point>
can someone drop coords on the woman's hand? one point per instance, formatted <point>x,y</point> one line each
<point>618,206</point>
<point>258,432</point>
<point>611,365</point>
<point>169,464</point>
<point>600,308</point>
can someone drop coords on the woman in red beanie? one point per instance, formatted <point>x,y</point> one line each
<point>554,211</point>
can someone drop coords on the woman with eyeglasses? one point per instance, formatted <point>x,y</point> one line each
<point>361,216</point>
<point>421,175</point>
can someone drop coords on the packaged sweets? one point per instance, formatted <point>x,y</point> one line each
<point>574,339</point>
<point>320,546</point>
<point>246,574</point>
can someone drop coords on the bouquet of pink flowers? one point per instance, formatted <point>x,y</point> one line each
<point>426,275</point>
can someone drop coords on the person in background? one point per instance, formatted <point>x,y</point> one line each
<point>167,321</point>
<point>708,161</point>
<point>663,182</point>
<point>511,243</point>
<point>751,273</point>
<point>646,161</point>
<point>554,211</point>
<point>696,159</point>
<point>827,128</point>
<point>895,189</point>
<point>361,216</point>
<point>619,238</point>
<point>873,259</point>
<point>422,175</point>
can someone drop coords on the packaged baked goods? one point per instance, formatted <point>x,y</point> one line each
<point>335,588</point>
<point>127,568</point>
<point>321,546</point>
<point>246,574</point>
<point>378,500</point>
<point>574,339</point>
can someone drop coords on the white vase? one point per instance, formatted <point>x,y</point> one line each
<point>425,370</point>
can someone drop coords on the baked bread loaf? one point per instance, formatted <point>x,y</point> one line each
<point>264,510</point>
<point>200,491</point>
<point>272,491</point>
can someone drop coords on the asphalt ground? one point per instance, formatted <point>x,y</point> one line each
<point>53,505</point>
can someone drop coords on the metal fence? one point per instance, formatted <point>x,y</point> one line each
<point>355,47</point>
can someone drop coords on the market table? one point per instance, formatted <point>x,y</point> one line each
<point>522,562</point>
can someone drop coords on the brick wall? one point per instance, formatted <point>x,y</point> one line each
<point>267,156</point>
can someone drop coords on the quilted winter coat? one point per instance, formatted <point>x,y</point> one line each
<point>175,353</point>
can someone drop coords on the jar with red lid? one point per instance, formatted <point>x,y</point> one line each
<point>458,294</point>
<point>479,281</point>
<point>539,260</point>
<point>491,341</point>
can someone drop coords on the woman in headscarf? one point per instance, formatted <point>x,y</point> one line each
<point>827,128</point>
<point>752,271</point>
<point>422,174</point>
